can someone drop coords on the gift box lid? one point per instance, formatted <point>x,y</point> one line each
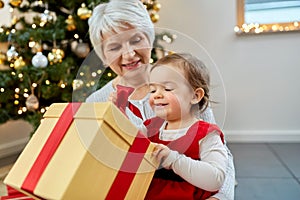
<point>103,112</point>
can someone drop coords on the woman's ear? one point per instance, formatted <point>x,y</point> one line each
<point>198,95</point>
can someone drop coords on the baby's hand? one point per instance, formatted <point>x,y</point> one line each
<point>161,152</point>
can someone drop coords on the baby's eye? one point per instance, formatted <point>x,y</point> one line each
<point>152,91</point>
<point>168,89</point>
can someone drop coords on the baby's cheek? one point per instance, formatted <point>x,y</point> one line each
<point>151,101</point>
<point>175,101</point>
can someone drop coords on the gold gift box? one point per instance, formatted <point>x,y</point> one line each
<point>95,151</point>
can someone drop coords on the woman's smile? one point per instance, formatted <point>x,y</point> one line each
<point>132,65</point>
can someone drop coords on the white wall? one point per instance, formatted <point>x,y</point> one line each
<point>260,72</point>
<point>5,14</point>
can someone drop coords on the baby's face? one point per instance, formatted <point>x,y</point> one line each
<point>170,93</point>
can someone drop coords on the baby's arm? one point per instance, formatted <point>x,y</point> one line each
<point>209,172</point>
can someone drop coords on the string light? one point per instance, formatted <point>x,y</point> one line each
<point>43,110</point>
<point>94,74</point>
<point>62,85</point>
<point>255,28</point>
<point>31,44</point>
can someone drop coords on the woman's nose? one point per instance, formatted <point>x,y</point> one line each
<point>128,53</point>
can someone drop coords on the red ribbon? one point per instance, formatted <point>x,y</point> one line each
<point>135,110</point>
<point>50,147</point>
<point>122,102</point>
<point>14,194</point>
<point>123,93</point>
<point>129,167</point>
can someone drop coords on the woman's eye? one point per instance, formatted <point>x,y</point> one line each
<point>136,40</point>
<point>114,48</point>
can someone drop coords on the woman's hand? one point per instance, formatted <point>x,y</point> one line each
<point>113,97</point>
<point>161,152</point>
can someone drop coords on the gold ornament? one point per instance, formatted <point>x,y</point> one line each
<point>70,23</point>
<point>83,12</point>
<point>1,4</point>
<point>19,26</point>
<point>82,50</point>
<point>56,56</point>
<point>19,63</point>
<point>156,6</point>
<point>15,3</point>
<point>32,103</point>
<point>35,47</point>
<point>154,17</point>
<point>2,58</point>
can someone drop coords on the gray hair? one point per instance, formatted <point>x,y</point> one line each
<point>115,15</point>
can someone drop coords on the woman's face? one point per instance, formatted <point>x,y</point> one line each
<point>126,51</point>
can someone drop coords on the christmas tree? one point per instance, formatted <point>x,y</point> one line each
<point>47,46</point>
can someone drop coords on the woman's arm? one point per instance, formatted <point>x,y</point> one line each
<point>227,190</point>
<point>102,94</point>
<point>207,115</point>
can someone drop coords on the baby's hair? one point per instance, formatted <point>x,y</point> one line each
<point>115,16</point>
<point>195,72</point>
